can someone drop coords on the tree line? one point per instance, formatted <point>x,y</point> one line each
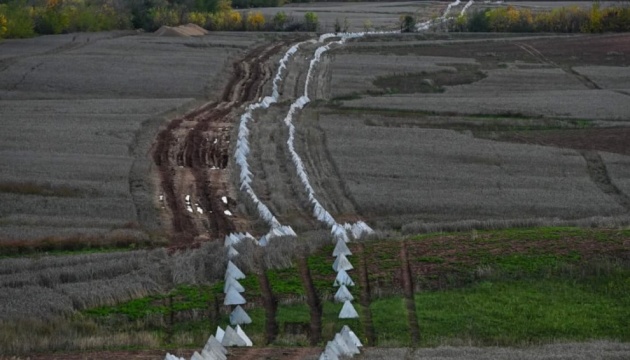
<point>572,19</point>
<point>27,18</point>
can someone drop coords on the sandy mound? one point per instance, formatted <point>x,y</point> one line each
<point>181,31</point>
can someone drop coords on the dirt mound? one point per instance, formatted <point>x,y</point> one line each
<point>182,31</point>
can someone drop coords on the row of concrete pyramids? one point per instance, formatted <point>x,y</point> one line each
<point>342,265</point>
<point>345,344</point>
<point>213,350</point>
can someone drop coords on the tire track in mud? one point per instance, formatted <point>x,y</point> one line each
<point>192,157</point>
<point>599,175</point>
<point>567,69</point>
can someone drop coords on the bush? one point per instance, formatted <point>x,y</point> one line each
<point>279,20</point>
<point>407,23</point>
<point>233,20</point>
<point>3,25</point>
<point>163,16</point>
<point>255,20</point>
<point>19,20</point>
<point>311,21</point>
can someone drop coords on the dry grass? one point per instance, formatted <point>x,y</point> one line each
<point>30,336</point>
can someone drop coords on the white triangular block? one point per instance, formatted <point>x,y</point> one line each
<point>347,345</point>
<point>243,336</point>
<point>342,263</point>
<point>219,334</point>
<point>343,294</point>
<point>239,316</point>
<point>341,248</point>
<point>348,311</point>
<point>346,330</point>
<point>333,349</point>
<point>232,253</point>
<point>196,356</point>
<point>351,344</point>
<point>263,241</point>
<point>234,271</point>
<point>231,338</point>
<point>232,297</point>
<point>345,349</point>
<point>329,354</point>
<point>214,345</point>
<point>232,283</point>
<point>343,279</point>
<point>361,229</point>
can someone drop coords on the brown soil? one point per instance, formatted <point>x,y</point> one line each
<point>192,157</point>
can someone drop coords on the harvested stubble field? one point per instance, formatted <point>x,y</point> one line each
<point>409,156</point>
<point>79,114</point>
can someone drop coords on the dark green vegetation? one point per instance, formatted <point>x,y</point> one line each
<point>507,287</point>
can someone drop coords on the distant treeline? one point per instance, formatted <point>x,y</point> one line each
<point>563,20</point>
<point>26,18</point>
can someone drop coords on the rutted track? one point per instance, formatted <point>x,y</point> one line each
<point>192,155</point>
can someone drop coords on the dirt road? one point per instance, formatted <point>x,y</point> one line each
<point>192,154</point>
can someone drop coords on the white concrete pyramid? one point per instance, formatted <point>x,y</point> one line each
<point>239,316</point>
<point>243,336</point>
<point>232,297</point>
<point>361,229</point>
<point>348,311</point>
<point>231,338</point>
<point>343,294</point>
<point>232,253</point>
<point>348,346</point>
<point>196,356</point>
<point>232,283</point>
<point>343,279</point>
<point>172,357</point>
<point>233,271</point>
<point>342,263</point>
<point>219,334</point>
<point>346,330</point>
<point>214,345</point>
<point>341,248</point>
<point>333,350</point>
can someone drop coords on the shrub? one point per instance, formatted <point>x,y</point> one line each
<point>3,24</point>
<point>19,20</point>
<point>255,20</point>
<point>367,25</point>
<point>279,20</point>
<point>233,20</point>
<point>311,21</point>
<point>198,18</point>
<point>407,23</point>
<point>163,16</point>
